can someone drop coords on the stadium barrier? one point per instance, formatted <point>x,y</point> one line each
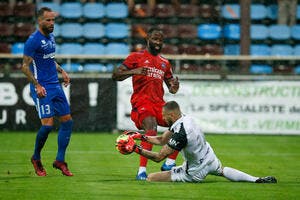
<point>177,60</point>
<point>233,103</point>
<point>92,100</point>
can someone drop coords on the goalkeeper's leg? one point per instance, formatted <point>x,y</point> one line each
<point>237,175</point>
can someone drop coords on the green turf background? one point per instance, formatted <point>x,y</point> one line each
<point>100,172</point>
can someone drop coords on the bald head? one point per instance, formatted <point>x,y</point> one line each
<point>171,112</point>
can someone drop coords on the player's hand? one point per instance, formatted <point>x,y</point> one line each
<point>131,146</point>
<point>125,144</point>
<point>174,85</point>
<point>66,78</point>
<point>40,91</point>
<point>140,71</point>
<point>123,149</point>
<point>135,135</point>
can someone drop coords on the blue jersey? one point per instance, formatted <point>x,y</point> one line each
<point>42,49</point>
<point>43,67</point>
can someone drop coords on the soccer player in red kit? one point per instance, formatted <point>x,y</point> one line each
<point>148,70</point>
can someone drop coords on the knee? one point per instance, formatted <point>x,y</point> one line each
<point>46,129</point>
<point>67,125</point>
<point>150,178</point>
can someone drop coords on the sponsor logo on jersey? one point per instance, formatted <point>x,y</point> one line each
<point>50,55</point>
<point>44,43</point>
<point>155,73</point>
<point>173,142</point>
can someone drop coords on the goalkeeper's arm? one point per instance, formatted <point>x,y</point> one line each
<point>160,139</point>
<point>157,140</point>
<point>155,156</point>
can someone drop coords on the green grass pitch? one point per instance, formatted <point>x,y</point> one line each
<point>100,172</point>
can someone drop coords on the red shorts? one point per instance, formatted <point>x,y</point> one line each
<point>146,109</point>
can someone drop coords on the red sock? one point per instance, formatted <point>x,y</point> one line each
<point>173,155</point>
<point>147,146</point>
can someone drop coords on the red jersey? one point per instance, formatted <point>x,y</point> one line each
<point>149,87</point>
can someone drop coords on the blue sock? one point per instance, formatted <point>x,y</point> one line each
<point>40,140</point>
<point>63,139</point>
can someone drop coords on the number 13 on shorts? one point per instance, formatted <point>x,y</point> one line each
<point>44,110</point>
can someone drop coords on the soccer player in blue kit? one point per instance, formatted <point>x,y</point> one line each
<point>41,70</point>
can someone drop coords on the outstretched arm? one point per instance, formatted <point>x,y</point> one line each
<point>122,73</point>
<point>125,144</point>
<point>160,139</point>
<point>157,140</point>
<point>155,156</point>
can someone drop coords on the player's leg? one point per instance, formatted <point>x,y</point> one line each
<point>41,137</point>
<point>149,125</point>
<point>64,135</point>
<point>232,174</point>
<point>62,109</point>
<point>177,174</point>
<point>63,140</point>
<point>160,176</point>
<point>143,117</point>
<point>44,109</point>
<point>239,176</point>
<point>216,168</point>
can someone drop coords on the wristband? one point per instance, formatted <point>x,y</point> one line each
<point>137,149</point>
<point>144,138</point>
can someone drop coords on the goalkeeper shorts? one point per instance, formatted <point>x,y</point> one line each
<point>180,174</point>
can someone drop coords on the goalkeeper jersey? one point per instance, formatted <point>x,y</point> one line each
<point>189,139</point>
<point>149,87</point>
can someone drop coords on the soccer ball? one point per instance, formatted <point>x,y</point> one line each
<point>121,141</point>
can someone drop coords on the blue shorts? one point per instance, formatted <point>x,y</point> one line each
<point>54,104</point>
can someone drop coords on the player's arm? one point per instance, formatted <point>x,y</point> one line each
<point>126,145</point>
<point>122,72</point>
<point>177,142</point>
<point>40,90</point>
<point>172,84</point>
<point>157,140</point>
<point>64,74</point>
<point>155,156</point>
<point>160,139</point>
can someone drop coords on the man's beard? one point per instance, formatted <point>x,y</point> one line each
<point>47,30</point>
<point>154,50</point>
<point>169,122</point>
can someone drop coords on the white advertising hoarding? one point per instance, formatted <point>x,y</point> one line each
<point>260,107</point>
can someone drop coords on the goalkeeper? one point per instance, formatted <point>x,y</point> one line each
<point>185,136</point>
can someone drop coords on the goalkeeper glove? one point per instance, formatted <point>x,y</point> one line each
<point>126,145</point>
<point>136,135</point>
<point>121,142</point>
